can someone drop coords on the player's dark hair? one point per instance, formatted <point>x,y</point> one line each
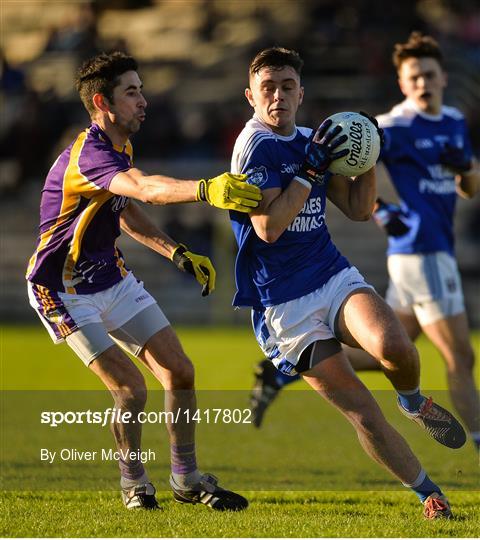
<point>276,58</point>
<point>417,46</point>
<point>100,74</point>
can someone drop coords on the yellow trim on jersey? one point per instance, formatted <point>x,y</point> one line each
<point>129,150</point>
<point>74,184</point>
<point>76,242</point>
<point>121,264</point>
<point>74,181</point>
<point>87,216</point>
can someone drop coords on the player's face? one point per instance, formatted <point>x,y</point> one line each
<point>127,111</point>
<point>422,80</point>
<point>276,94</point>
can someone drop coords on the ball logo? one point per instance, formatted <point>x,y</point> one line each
<point>355,134</point>
<point>363,144</point>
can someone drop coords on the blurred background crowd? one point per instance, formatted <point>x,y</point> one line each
<point>194,57</point>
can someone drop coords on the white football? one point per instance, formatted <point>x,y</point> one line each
<point>363,144</point>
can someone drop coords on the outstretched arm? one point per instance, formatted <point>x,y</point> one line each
<point>227,191</point>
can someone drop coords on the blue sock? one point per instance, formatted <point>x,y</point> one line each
<point>423,486</point>
<point>284,380</point>
<point>410,399</point>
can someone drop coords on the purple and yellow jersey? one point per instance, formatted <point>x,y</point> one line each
<point>79,218</point>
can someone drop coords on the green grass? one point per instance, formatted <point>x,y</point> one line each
<point>303,472</point>
<point>277,514</point>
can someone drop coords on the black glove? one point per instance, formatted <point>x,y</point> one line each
<point>198,265</point>
<point>455,159</point>
<point>320,153</point>
<point>389,216</point>
<point>380,131</point>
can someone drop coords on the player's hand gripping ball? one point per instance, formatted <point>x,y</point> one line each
<point>364,140</point>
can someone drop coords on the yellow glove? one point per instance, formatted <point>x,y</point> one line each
<point>198,265</point>
<point>230,192</point>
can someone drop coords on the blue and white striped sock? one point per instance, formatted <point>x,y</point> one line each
<point>411,399</point>
<point>423,486</point>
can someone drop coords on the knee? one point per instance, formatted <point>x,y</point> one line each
<point>397,349</point>
<point>182,374</point>
<point>462,360</point>
<point>367,423</point>
<point>132,395</point>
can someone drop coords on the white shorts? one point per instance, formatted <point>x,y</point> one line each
<point>91,340</point>
<point>284,331</point>
<point>425,285</point>
<point>125,314</point>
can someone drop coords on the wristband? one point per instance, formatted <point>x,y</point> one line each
<point>202,191</point>
<point>178,253</point>
<point>306,183</point>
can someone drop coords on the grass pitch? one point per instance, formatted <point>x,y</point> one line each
<point>303,472</point>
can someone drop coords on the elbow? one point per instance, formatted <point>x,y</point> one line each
<point>270,237</point>
<point>470,194</point>
<point>269,234</point>
<point>360,216</point>
<point>362,212</point>
<point>146,194</point>
<point>268,228</point>
<point>363,217</point>
<point>467,193</point>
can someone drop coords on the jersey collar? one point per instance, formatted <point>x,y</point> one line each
<point>432,117</point>
<point>95,128</point>
<point>279,137</point>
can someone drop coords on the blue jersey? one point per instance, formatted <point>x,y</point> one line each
<point>304,257</point>
<point>427,190</point>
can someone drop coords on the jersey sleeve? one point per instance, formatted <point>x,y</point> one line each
<point>387,148</point>
<point>98,164</point>
<point>467,144</point>
<point>261,164</point>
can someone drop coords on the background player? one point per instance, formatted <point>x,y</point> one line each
<point>305,296</point>
<point>84,294</point>
<point>428,159</point>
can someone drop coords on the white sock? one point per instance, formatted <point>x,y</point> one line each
<point>128,483</point>
<point>187,480</point>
